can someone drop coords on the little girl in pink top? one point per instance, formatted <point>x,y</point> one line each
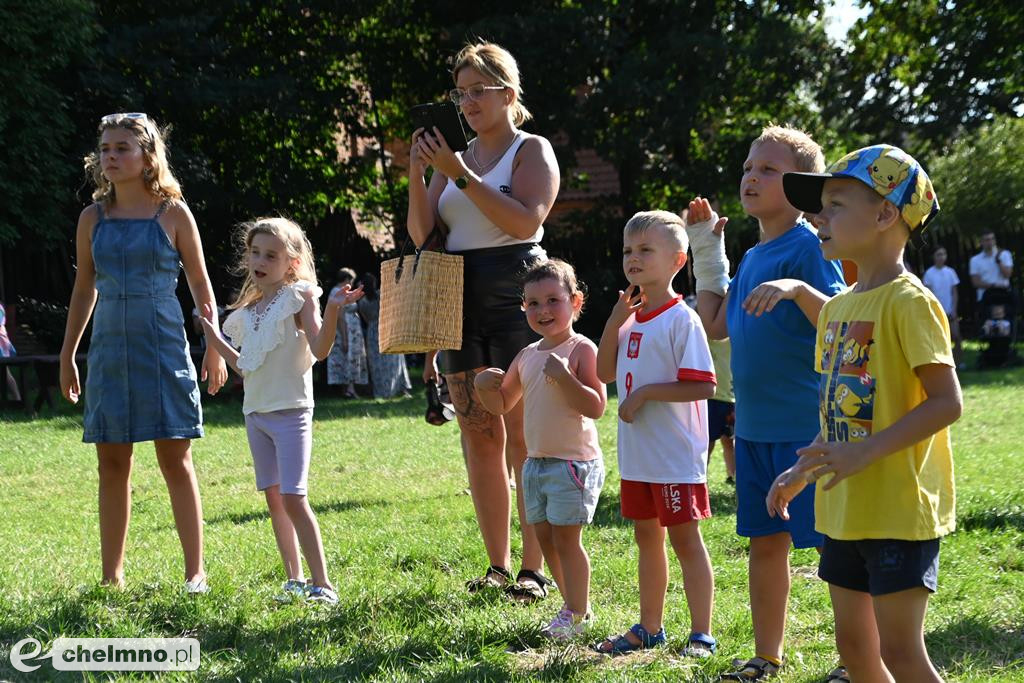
<point>564,471</point>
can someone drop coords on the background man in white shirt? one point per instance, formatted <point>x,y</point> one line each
<point>991,267</point>
<point>943,282</point>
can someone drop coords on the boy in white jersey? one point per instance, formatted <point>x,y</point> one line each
<point>655,350</point>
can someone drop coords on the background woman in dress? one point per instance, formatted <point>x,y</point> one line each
<point>388,373</point>
<point>6,351</point>
<point>492,200</point>
<point>346,366</point>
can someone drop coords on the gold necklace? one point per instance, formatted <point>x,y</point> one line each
<point>481,167</point>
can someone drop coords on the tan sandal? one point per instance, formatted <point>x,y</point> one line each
<point>494,577</point>
<point>529,586</point>
<point>754,669</point>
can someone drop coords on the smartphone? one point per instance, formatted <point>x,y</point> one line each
<point>445,116</point>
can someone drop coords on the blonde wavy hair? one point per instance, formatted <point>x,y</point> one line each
<point>157,176</point>
<point>296,245</point>
<point>497,64</point>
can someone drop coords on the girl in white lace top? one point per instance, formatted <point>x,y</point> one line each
<point>278,328</point>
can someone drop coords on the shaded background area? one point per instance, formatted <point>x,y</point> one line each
<point>301,109</point>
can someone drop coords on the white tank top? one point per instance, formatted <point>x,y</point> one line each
<point>468,227</point>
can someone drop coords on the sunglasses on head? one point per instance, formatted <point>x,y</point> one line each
<point>134,116</point>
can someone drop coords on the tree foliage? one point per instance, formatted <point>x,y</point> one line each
<point>980,181</point>
<point>295,108</point>
<point>38,43</point>
<point>921,72</point>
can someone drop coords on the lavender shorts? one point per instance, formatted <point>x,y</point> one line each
<point>281,443</point>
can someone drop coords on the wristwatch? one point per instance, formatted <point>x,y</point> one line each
<point>462,181</point>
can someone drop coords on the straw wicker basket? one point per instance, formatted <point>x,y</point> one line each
<point>421,303</point>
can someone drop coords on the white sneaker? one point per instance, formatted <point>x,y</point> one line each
<point>567,625</point>
<point>197,587</point>
<point>321,594</point>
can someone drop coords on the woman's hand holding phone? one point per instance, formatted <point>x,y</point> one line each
<point>436,152</point>
<point>417,162</point>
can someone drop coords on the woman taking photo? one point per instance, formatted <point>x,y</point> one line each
<point>491,201</point>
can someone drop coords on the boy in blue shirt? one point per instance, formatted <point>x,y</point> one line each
<point>768,311</point>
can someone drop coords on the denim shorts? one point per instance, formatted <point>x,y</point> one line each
<point>880,566</point>
<point>757,465</point>
<point>561,492</point>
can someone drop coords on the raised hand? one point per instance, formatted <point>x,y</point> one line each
<point>629,302</point>
<point>699,212</point>
<point>705,231</point>
<point>344,296</point>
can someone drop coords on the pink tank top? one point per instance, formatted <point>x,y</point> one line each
<point>553,429</point>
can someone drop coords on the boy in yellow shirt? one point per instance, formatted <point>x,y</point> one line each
<point>887,396</point>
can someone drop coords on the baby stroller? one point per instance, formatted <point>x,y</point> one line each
<point>998,328</point>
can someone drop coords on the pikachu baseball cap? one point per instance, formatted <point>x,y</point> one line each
<point>887,170</point>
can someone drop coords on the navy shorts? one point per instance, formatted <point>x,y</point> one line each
<point>757,465</point>
<point>721,419</point>
<point>880,566</point>
<point>494,327</point>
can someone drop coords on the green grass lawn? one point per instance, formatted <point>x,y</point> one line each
<point>401,539</point>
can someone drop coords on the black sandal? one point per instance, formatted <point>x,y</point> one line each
<point>529,586</point>
<point>439,408</point>
<point>494,577</point>
<point>838,675</point>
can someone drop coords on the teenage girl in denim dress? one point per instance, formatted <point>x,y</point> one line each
<point>141,384</point>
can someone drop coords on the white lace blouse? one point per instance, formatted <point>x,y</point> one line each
<point>275,359</point>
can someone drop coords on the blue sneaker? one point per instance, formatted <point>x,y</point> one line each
<point>292,590</point>
<point>700,645</point>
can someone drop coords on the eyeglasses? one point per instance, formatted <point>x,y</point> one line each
<point>473,92</point>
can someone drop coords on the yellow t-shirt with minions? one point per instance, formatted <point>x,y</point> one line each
<point>867,347</point>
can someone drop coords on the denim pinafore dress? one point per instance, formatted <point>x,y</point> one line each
<point>141,383</point>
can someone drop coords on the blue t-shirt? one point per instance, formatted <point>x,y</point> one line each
<point>773,374</point>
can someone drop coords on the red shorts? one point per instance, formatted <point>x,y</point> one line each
<point>671,503</point>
